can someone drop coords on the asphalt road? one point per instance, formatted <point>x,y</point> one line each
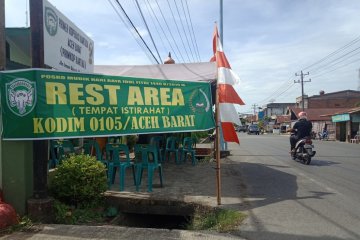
<point>286,199</point>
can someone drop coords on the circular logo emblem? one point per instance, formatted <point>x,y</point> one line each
<point>21,96</point>
<point>51,21</point>
<point>199,102</point>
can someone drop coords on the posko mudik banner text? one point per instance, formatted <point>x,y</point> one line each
<point>45,104</point>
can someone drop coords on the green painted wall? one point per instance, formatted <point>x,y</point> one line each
<point>17,173</point>
<point>16,157</point>
<point>19,42</point>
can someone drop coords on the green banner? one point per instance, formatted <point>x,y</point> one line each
<point>45,104</point>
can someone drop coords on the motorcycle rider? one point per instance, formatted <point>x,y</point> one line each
<point>323,134</point>
<point>302,128</point>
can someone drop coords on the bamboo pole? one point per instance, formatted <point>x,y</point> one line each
<point>218,124</point>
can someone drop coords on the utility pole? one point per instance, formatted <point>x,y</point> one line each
<point>302,85</point>
<point>223,144</point>
<point>2,66</point>
<point>40,206</point>
<point>254,106</point>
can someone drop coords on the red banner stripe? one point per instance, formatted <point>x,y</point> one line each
<point>215,38</point>
<point>227,94</point>
<point>222,60</point>
<point>229,132</point>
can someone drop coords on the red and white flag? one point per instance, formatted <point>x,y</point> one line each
<point>227,95</point>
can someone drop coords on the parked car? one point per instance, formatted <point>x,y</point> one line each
<point>253,129</point>
<point>241,128</point>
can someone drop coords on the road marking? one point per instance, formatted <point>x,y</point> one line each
<point>323,185</point>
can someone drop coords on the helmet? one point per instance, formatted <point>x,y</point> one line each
<point>302,115</point>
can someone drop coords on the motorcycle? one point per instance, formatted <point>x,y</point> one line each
<point>323,135</point>
<point>304,150</point>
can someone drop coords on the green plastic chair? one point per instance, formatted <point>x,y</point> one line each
<point>188,148</point>
<point>91,145</point>
<point>113,152</point>
<point>158,142</point>
<point>58,151</point>
<point>172,146</point>
<point>147,158</point>
<point>55,155</point>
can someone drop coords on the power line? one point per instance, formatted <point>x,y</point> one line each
<point>335,52</point>
<point>337,62</point>
<point>177,28</point>
<point>153,15</point>
<point>287,89</point>
<point>192,35</point>
<point>327,65</point>
<point>183,28</point>
<point>278,90</point>
<point>147,27</point>
<point>141,44</point>
<point>323,66</point>
<point>133,26</point>
<point>167,25</point>
<point>280,93</point>
<point>156,28</point>
<point>345,65</point>
<point>163,45</point>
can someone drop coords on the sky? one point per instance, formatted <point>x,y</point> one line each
<point>266,41</point>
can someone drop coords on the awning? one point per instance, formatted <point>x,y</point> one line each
<point>185,71</point>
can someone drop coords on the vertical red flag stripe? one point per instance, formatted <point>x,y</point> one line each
<point>229,132</point>
<point>221,60</point>
<point>227,94</point>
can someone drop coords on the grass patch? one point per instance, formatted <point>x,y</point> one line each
<point>65,214</point>
<point>207,159</point>
<point>221,220</point>
<point>25,225</point>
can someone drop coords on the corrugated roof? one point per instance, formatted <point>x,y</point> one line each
<point>320,114</point>
<point>338,94</point>
<point>350,111</point>
<point>283,119</point>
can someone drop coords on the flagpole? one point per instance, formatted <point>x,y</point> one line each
<point>226,84</point>
<point>217,111</point>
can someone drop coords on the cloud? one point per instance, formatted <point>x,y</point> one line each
<point>266,42</point>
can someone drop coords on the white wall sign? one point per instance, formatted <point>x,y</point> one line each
<point>66,47</point>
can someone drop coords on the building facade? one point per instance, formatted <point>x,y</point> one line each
<point>341,99</point>
<point>272,110</point>
<point>337,112</point>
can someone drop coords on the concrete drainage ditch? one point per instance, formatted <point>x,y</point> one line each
<point>150,213</point>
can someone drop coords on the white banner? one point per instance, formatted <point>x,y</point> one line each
<point>66,47</point>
